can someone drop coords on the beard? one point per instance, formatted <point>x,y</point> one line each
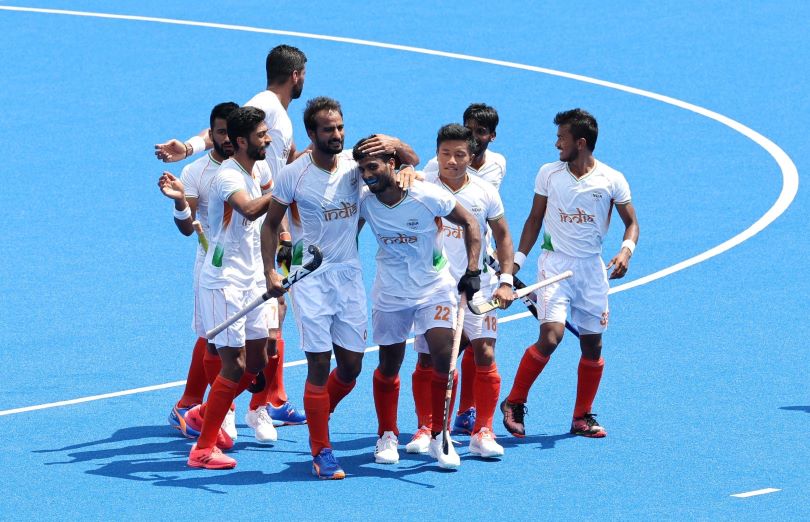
<point>330,147</point>
<point>572,156</point>
<point>297,89</point>
<point>255,152</point>
<point>223,151</point>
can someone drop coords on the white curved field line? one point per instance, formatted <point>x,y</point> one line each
<point>790,175</point>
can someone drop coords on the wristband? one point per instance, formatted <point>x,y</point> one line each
<point>520,258</point>
<point>506,279</point>
<point>630,245</point>
<point>197,145</point>
<point>285,236</point>
<point>182,215</point>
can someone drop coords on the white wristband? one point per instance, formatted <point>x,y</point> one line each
<point>520,258</point>
<point>630,245</point>
<point>182,215</point>
<point>506,279</point>
<point>197,145</point>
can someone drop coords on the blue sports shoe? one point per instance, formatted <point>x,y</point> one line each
<point>177,421</point>
<point>325,466</point>
<point>286,415</point>
<point>465,421</point>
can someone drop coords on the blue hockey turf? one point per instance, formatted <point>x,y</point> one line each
<point>703,106</point>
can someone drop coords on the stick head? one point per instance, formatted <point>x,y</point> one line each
<point>316,260</point>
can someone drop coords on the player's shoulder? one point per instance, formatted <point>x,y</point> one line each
<point>432,165</point>
<point>497,158</point>
<point>196,167</point>
<point>554,166</point>
<point>608,171</point>
<point>422,191</point>
<point>264,100</point>
<point>431,176</point>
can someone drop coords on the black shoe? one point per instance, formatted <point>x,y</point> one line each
<point>513,418</point>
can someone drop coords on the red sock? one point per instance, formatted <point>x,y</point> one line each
<point>244,382</point>
<point>337,389</point>
<point>213,365</point>
<point>530,367</point>
<point>438,391</point>
<point>259,399</point>
<point>422,393</point>
<point>196,383</point>
<point>219,401</point>
<point>466,398</point>
<point>589,375</point>
<point>386,400</point>
<point>487,391</point>
<point>277,394</point>
<point>316,404</point>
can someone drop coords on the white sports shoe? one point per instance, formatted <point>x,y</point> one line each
<point>385,452</point>
<point>262,424</point>
<point>449,461</point>
<point>483,444</point>
<point>420,441</point>
<point>229,424</point>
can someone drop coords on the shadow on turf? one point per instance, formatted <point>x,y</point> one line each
<point>805,409</point>
<point>163,461</point>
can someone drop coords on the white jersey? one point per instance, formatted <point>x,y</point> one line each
<point>323,209</point>
<point>279,127</point>
<point>411,261</point>
<point>493,170</point>
<point>196,178</point>
<point>578,210</point>
<point>483,201</point>
<point>234,255</point>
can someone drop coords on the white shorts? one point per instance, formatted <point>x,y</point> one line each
<point>330,307</point>
<point>394,327</point>
<point>216,305</point>
<point>475,327</point>
<point>586,292</point>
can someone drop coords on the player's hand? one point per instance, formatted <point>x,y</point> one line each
<point>620,264</point>
<point>470,283</point>
<point>171,187</point>
<point>284,255</point>
<point>171,151</point>
<point>406,176</point>
<point>505,296</point>
<point>380,144</point>
<point>274,286</point>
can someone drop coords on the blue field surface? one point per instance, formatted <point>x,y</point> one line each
<point>705,389</point>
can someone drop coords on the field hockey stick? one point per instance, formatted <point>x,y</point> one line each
<point>451,374</point>
<point>526,300</point>
<point>200,234</point>
<point>492,304</point>
<point>286,283</point>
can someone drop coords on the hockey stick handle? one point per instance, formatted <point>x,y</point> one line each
<point>493,264</point>
<point>287,282</point>
<point>494,303</point>
<point>200,234</point>
<point>448,397</point>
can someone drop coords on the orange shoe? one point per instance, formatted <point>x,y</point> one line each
<point>209,458</point>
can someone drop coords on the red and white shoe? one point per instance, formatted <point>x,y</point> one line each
<point>209,458</point>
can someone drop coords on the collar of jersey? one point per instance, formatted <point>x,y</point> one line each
<point>337,164</point>
<point>578,180</point>
<point>395,205</point>
<point>243,168</point>
<point>211,157</point>
<point>469,180</point>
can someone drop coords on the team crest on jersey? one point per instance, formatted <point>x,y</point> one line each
<point>596,195</point>
<point>412,223</point>
<point>475,209</point>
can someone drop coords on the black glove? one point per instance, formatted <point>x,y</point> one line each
<point>258,383</point>
<point>284,254</point>
<point>470,283</point>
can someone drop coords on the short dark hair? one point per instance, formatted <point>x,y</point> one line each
<point>222,110</point>
<point>242,121</point>
<point>314,106</point>
<point>482,114</point>
<point>456,132</point>
<point>357,155</point>
<point>582,125</point>
<point>281,61</point>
